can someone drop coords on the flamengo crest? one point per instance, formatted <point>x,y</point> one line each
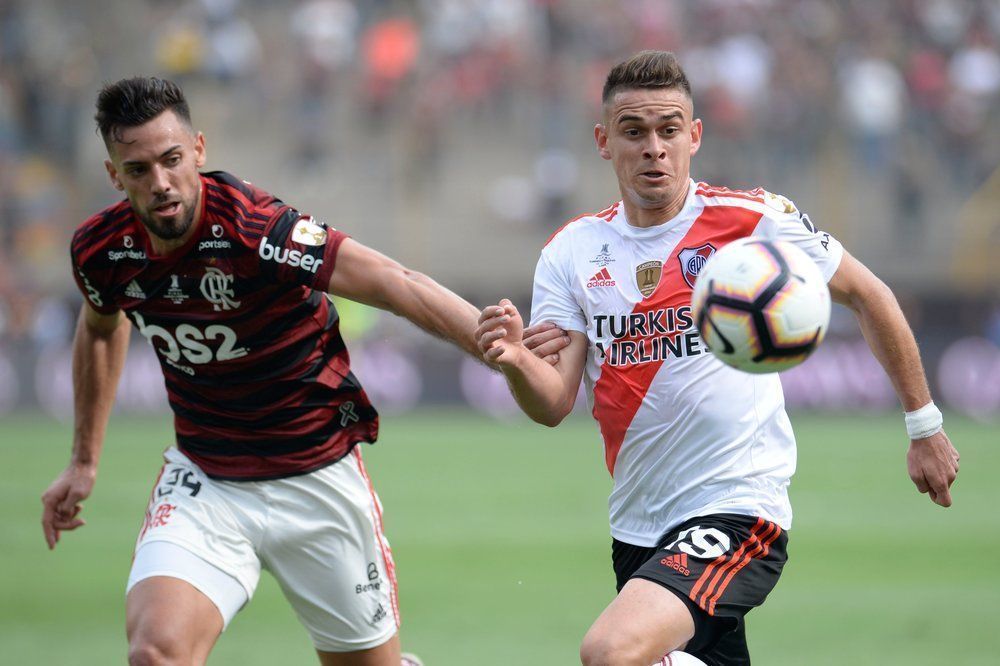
<point>216,286</point>
<point>693,260</point>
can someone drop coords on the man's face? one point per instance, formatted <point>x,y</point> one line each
<point>650,135</point>
<point>156,165</point>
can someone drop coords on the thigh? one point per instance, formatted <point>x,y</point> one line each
<point>169,620</point>
<point>386,654</point>
<point>326,549</point>
<point>216,521</point>
<point>721,566</point>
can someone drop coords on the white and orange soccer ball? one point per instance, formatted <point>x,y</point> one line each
<point>761,305</point>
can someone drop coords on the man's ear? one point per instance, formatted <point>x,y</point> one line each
<point>113,175</point>
<point>601,139</point>
<point>695,136</point>
<point>199,150</point>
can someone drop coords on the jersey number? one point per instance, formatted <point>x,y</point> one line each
<point>702,542</point>
<point>186,342</point>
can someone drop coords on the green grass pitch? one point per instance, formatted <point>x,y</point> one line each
<point>500,534</point>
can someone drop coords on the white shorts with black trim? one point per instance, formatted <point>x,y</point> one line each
<point>319,534</point>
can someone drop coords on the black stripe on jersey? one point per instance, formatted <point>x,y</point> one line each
<point>220,193</point>
<point>108,225</point>
<point>267,448</point>
<point>228,215</point>
<point>232,181</point>
<point>227,198</point>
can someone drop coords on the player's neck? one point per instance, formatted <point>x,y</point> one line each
<point>642,215</point>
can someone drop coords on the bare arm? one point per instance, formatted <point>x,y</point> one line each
<point>369,277</point>
<point>932,461</point>
<point>99,348</point>
<point>544,392</point>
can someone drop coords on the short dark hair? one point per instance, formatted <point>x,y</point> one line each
<point>136,101</point>
<point>646,69</point>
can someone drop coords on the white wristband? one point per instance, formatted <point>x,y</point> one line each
<point>924,422</point>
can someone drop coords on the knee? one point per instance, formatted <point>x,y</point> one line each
<point>152,652</point>
<point>603,649</point>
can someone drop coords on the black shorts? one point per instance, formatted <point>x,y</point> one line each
<point>721,565</point>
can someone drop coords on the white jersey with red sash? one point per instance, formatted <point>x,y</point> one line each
<point>684,434</point>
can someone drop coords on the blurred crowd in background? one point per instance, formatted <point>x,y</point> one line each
<point>456,134</point>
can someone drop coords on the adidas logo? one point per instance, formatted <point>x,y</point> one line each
<point>601,279</point>
<point>678,563</point>
<point>133,290</point>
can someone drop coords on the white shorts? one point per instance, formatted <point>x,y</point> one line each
<point>319,534</point>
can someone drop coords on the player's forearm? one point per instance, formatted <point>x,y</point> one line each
<point>538,388</point>
<point>436,309</point>
<point>98,358</point>
<point>891,341</point>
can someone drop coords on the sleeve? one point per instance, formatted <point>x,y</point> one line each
<point>782,221</point>
<point>552,297</point>
<point>299,249</point>
<point>98,297</point>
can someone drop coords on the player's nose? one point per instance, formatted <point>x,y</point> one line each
<point>654,148</point>
<point>160,180</point>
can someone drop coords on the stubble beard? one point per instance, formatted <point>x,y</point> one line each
<point>173,229</point>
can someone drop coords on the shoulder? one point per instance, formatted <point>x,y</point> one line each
<point>103,229</point>
<point>246,199</point>
<point>757,199</point>
<point>582,224</point>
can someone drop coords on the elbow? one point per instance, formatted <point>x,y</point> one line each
<point>554,416</point>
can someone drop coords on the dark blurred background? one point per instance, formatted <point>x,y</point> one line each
<point>456,136</point>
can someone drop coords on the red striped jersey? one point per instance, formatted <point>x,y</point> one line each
<point>684,434</point>
<point>256,371</point>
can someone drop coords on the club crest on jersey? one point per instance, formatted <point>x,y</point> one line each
<point>647,276</point>
<point>308,232</point>
<point>779,203</point>
<point>693,260</point>
<point>216,287</point>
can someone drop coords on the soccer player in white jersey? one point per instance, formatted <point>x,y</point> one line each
<point>701,454</point>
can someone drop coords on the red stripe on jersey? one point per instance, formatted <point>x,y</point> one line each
<point>620,390</point>
<point>390,564</point>
<point>706,190</point>
<point>607,215</point>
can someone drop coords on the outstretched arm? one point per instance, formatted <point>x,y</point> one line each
<point>99,348</point>
<point>544,392</point>
<point>932,461</point>
<point>369,277</point>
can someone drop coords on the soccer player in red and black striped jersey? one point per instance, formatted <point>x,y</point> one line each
<point>229,284</point>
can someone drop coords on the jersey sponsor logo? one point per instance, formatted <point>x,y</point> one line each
<point>93,295</point>
<point>217,230</point>
<point>347,414</point>
<point>308,232</point>
<point>705,543</point>
<point>601,279</point>
<point>647,276</point>
<point>133,290</point>
<point>283,255</point>
<point>127,253</point>
<point>693,260</point>
<point>214,245</point>
<point>826,241</point>
<point>647,337</point>
<point>216,287</point>
<point>174,293</point>
<point>187,343</point>
<point>678,563</point>
<point>603,257</point>
<point>127,241</point>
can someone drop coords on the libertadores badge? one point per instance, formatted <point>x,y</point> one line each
<point>647,276</point>
<point>692,260</point>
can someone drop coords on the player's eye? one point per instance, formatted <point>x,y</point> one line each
<point>135,171</point>
<point>174,160</point>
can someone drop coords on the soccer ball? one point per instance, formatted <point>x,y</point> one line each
<point>761,305</point>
